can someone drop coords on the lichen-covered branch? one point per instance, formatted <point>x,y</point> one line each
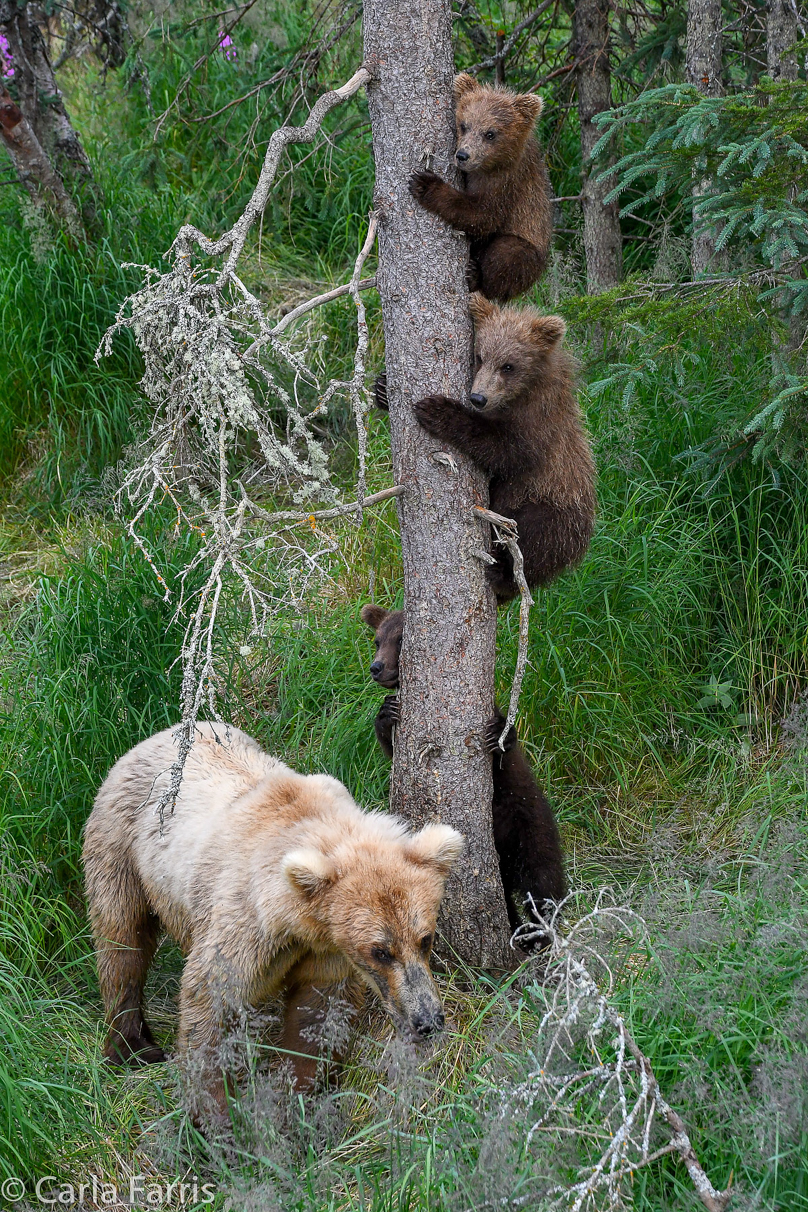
<point>226,380</point>
<point>584,1050</point>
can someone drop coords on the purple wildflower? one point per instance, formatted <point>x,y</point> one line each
<point>227,46</point>
<point>6,59</point>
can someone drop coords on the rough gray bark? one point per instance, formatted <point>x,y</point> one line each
<point>704,52</point>
<point>33,167</point>
<point>35,90</point>
<point>603,243</point>
<point>440,767</point>
<point>781,33</point>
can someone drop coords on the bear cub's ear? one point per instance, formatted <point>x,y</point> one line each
<point>481,308</point>
<point>438,845</point>
<point>308,871</point>
<point>463,84</point>
<point>528,106</point>
<point>547,332</point>
<point>373,615</point>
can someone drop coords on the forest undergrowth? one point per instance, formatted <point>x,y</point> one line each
<point>664,708</point>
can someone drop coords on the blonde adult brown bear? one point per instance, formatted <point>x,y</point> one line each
<point>273,883</point>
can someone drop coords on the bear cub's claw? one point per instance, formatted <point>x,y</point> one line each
<point>390,710</point>
<point>380,393</point>
<point>432,412</point>
<point>423,185</point>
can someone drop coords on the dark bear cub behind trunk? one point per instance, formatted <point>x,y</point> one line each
<point>526,835</point>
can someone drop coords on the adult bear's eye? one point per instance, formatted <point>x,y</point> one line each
<point>490,135</point>
<point>382,955</point>
<point>426,943</point>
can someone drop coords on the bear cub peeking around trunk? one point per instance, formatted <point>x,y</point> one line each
<point>525,832</point>
<point>273,883</point>
<point>505,204</point>
<point>524,429</point>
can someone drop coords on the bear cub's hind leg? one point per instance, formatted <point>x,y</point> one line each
<point>526,836</point>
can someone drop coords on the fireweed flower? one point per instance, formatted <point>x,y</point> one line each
<point>227,46</point>
<point>6,59</point>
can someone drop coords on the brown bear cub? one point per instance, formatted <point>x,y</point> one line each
<point>524,429</point>
<point>526,836</point>
<point>505,204</point>
<point>273,883</point>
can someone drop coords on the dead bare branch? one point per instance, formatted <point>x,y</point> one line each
<point>213,363</point>
<point>508,44</point>
<point>506,533</point>
<point>575,1058</point>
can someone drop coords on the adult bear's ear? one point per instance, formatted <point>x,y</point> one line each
<point>528,106</point>
<point>547,332</point>
<point>373,615</point>
<point>438,845</point>
<point>463,84</point>
<point>481,308</point>
<point>308,871</point>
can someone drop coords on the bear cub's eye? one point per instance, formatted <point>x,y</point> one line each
<point>507,369</point>
<point>462,128</point>
<point>426,943</point>
<point>382,955</point>
<point>490,135</point>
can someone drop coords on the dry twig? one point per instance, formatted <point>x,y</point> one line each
<point>506,533</point>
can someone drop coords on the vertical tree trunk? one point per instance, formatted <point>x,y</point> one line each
<point>440,768</point>
<point>35,90</point>
<point>781,33</point>
<point>603,241</point>
<point>704,51</point>
<point>33,166</point>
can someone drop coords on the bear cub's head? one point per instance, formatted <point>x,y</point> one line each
<point>388,626</point>
<point>377,895</point>
<point>493,125</point>
<point>514,349</point>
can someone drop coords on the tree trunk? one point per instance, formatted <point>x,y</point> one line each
<point>603,241</point>
<point>35,90</point>
<point>33,166</point>
<point>781,33</point>
<point>704,71</point>
<point>440,767</point>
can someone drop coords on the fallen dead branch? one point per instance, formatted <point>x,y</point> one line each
<point>580,1024</point>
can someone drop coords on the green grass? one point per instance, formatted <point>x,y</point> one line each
<point>671,803</point>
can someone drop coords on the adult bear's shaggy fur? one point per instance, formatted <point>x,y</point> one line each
<point>272,882</point>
